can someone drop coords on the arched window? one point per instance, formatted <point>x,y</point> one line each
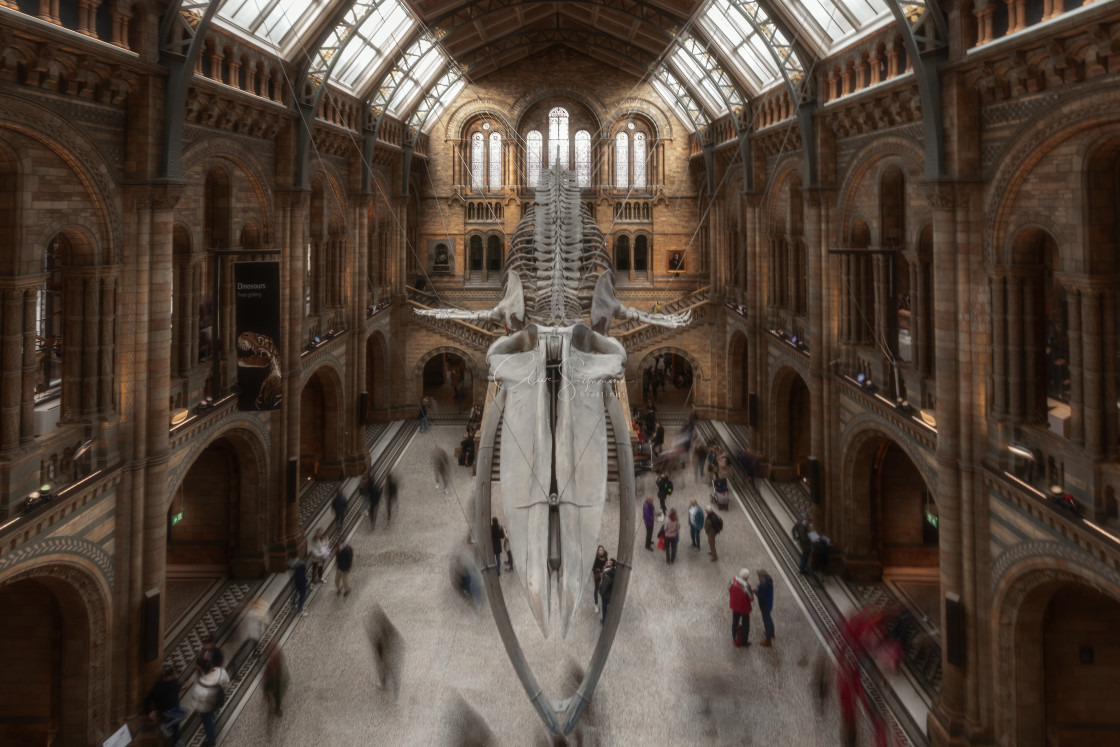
<point>622,254</point>
<point>621,160</point>
<point>641,254</point>
<point>495,160</point>
<point>48,321</point>
<point>558,137</point>
<point>533,152</point>
<point>476,254</point>
<point>639,160</point>
<point>493,254</point>
<point>583,158</point>
<point>478,159</point>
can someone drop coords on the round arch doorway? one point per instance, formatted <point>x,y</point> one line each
<point>447,380</point>
<point>667,379</point>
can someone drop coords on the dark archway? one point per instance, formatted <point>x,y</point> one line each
<point>894,516</point>
<point>213,517</point>
<point>46,629</point>
<point>675,376</point>
<point>791,427</point>
<point>377,379</point>
<point>319,437</point>
<point>1081,667</point>
<point>448,379</point>
<point>738,385</point>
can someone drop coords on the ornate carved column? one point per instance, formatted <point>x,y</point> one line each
<point>120,29</point>
<point>73,305</point>
<point>984,32</point>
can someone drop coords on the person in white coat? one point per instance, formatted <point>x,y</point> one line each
<point>208,694</point>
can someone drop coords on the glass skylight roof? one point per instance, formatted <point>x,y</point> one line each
<point>418,82</point>
<point>377,38</point>
<point>272,20</point>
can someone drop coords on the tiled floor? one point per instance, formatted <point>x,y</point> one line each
<point>673,676</point>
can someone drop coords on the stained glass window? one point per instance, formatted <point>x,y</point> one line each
<point>478,152</point>
<point>583,158</point>
<point>533,147</point>
<point>621,161</point>
<point>495,160</point>
<point>639,160</point>
<point>558,137</point>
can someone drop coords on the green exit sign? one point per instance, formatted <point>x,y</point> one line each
<point>176,518</point>
<point>931,518</point>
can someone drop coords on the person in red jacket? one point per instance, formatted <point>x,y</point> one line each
<point>741,596</point>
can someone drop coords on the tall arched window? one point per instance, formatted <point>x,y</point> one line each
<point>533,152</point>
<point>622,254</point>
<point>558,137</point>
<point>583,158</point>
<point>493,254</point>
<point>478,160</point>
<point>476,254</point>
<point>639,160</point>
<point>495,160</point>
<point>621,160</point>
<point>641,253</point>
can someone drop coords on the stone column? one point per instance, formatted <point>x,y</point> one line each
<point>11,378</point>
<point>1015,377</point>
<point>1034,409</point>
<point>1076,387</point>
<point>30,367</point>
<point>1094,404</point>
<point>90,338</point>
<point>999,345</point>
<point>107,373</point>
<point>73,305</point>
<point>946,718</point>
<point>296,224</point>
<point>1108,372</point>
<point>814,253</point>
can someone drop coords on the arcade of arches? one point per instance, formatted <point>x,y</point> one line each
<point>915,328</point>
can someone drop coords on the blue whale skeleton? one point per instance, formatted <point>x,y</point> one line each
<point>557,379</point>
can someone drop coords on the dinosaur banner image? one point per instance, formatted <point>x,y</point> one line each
<point>257,288</point>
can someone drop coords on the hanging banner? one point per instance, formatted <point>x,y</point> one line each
<point>257,289</point>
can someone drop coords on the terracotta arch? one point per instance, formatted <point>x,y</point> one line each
<point>378,386</point>
<point>1019,603</point>
<point>789,410</point>
<point>322,408</point>
<point>738,383</point>
<point>863,511</point>
<point>248,462</point>
<point>82,598</point>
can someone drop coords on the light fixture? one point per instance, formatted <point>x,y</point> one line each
<point>928,417</point>
<point>178,416</point>
<point>1022,451</point>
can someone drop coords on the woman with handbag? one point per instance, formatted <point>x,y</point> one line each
<point>672,530</point>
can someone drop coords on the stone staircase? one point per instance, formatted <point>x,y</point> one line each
<point>634,334</point>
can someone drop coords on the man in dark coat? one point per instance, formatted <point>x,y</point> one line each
<point>338,504</point>
<point>606,587</point>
